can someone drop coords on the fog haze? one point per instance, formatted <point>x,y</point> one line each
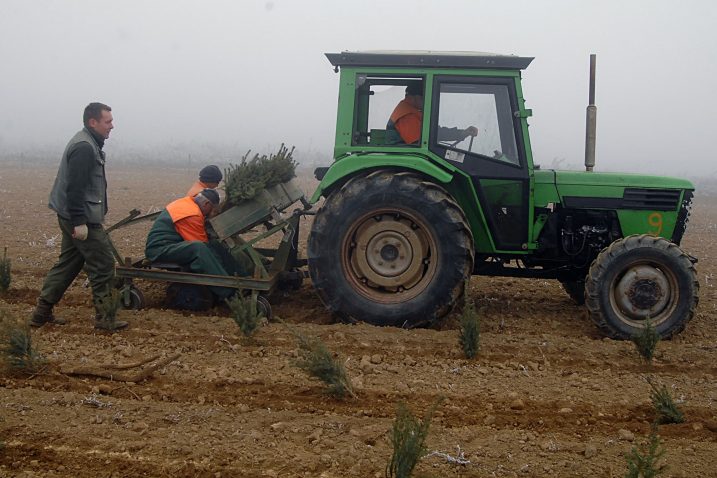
<point>215,78</point>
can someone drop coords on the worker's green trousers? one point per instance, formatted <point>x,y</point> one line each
<point>94,254</point>
<point>198,257</point>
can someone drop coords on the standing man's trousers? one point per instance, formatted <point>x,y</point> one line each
<point>94,254</point>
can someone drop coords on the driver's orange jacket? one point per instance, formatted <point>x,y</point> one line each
<point>188,219</point>
<point>407,119</point>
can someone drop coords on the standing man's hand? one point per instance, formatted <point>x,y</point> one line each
<point>80,232</point>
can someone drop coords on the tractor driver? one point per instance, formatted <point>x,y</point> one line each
<point>178,235</point>
<point>404,125</point>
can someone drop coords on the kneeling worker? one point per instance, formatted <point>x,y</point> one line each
<point>179,236</point>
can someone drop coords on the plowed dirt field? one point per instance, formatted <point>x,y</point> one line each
<point>546,396</point>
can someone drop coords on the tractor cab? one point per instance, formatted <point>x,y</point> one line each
<point>459,91</point>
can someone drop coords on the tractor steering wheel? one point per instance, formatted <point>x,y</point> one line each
<point>470,145</point>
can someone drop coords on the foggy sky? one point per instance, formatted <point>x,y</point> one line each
<point>222,76</point>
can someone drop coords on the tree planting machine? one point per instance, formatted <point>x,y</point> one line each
<point>236,231</point>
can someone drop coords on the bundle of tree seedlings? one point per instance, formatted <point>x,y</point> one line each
<point>247,179</point>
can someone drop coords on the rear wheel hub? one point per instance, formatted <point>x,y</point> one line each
<point>389,252</point>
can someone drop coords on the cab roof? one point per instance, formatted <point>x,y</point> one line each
<point>429,59</point>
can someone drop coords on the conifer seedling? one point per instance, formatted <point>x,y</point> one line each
<point>250,177</point>
<point>644,461</point>
<point>16,347</point>
<point>316,360</point>
<point>665,407</point>
<point>646,341</point>
<point>245,313</point>
<point>408,438</point>
<point>470,331</point>
<point>5,272</point>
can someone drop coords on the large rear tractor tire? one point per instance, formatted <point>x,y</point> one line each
<point>390,249</point>
<point>641,278</point>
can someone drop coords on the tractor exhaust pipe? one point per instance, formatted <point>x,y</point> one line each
<point>590,121</point>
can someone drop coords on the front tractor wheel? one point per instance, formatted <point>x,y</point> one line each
<point>641,278</point>
<point>390,249</point>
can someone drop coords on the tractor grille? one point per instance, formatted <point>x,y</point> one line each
<point>651,199</point>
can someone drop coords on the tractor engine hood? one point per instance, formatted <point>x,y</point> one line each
<point>582,189</point>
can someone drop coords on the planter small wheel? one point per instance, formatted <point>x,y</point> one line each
<point>641,278</point>
<point>133,300</point>
<point>390,248</point>
<point>575,289</point>
<point>263,307</point>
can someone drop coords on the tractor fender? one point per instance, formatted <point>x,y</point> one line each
<point>345,168</point>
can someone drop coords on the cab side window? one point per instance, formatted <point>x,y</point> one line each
<point>376,100</point>
<point>485,106</point>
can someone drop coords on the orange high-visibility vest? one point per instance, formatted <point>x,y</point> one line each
<point>188,219</point>
<point>196,189</point>
<point>408,120</point>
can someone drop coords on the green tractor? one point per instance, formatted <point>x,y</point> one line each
<point>406,223</point>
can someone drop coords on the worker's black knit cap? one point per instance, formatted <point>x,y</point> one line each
<point>211,194</point>
<point>210,174</point>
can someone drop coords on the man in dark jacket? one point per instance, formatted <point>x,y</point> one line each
<point>79,197</point>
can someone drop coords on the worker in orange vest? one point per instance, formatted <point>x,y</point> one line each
<point>404,125</point>
<point>209,178</point>
<point>178,235</point>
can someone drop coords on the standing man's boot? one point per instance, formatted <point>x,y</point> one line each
<point>43,315</point>
<point>109,325</point>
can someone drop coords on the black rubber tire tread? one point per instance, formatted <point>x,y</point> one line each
<point>378,190</point>
<point>607,265</point>
<point>575,289</point>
